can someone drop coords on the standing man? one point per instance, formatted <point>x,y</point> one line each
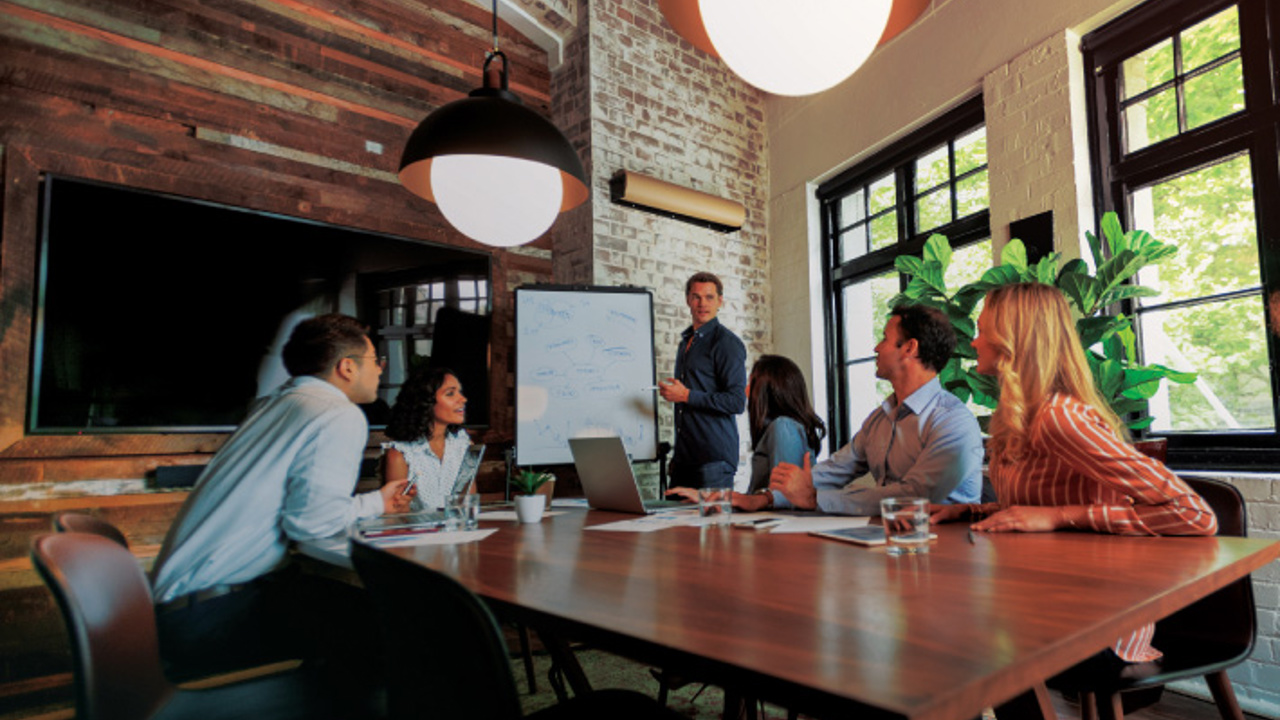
<point>226,595</point>
<point>709,389</point>
<point>921,441</point>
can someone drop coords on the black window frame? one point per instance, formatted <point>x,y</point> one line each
<point>898,160</point>
<point>1255,130</point>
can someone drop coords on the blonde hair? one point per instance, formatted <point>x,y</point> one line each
<point>1030,327</point>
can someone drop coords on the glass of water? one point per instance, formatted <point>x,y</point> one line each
<point>716,504</point>
<point>906,524</point>
<point>462,512</point>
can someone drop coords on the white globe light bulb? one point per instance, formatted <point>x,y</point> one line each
<point>499,201</point>
<point>797,47</point>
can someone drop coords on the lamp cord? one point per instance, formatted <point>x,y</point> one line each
<point>495,26</point>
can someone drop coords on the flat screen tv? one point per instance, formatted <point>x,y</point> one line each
<point>156,313</point>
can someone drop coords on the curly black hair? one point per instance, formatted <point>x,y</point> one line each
<point>413,415</point>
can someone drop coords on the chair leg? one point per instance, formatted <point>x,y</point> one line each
<point>1224,695</point>
<point>1110,707</point>
<point>663,688</point>
<point>1088,705</point>
<point>526,653</point>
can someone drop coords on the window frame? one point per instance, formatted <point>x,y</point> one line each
<point>1254,130</point>
<point>898,160</point>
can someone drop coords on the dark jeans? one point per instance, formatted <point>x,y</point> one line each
<point>718,474</point>
<point>282,616</point>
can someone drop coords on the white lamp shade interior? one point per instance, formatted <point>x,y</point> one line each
<point>500,201</point>
<point>797,47</point>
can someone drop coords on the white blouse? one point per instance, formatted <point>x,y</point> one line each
<point>434,476</point>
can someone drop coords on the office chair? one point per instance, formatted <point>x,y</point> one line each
<point>107,607</point>
<point>457,664</point>
<point>1203,639</point>
<point>82,523</point>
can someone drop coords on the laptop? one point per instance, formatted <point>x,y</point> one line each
<point>607,478</point>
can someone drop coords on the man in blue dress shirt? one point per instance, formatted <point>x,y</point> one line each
<point>709,390</point>
<point>226,597</point>
<point>921,441</point>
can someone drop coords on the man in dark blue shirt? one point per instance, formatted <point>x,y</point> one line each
<point>709,389</point>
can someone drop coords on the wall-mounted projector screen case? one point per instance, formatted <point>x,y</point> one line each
<point>664,198</point>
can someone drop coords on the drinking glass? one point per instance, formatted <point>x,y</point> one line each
<point>906,524</point>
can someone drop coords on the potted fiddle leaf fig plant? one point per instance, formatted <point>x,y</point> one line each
<point>529,504</point>
<point>1109,339</point>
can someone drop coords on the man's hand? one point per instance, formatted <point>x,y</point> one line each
<point>672,390</point>
<point>945,513</point>
<point>687,494</point>
<point>795,484</point>
<point>393,499</point>
<point>754,502</point>
<point>1023,518</point>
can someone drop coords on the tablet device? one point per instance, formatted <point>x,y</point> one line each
<point>865,535</point>
<point>467,471</point>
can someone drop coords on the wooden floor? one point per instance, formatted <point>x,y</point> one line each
<point>1172,706</point>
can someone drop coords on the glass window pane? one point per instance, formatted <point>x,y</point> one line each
<point>967,265</point>
<point>1148,69</point>
<point>853,243</point>
<point>971,151</point>
<point>932,169</point>
<point>1151,120</point>
<point>862,395</point>
<point>866,309</point>
<point>884,231</point>
<point>1210,39</point>
<point>971,194</point>
<point>853,208</point>
<point>883,194</point>
<point>933,209</point>
<point>1209,215</point>
<point>1214,94</point>
<point>1223,342</point>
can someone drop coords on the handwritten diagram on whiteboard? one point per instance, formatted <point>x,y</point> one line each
<point>584,367</point>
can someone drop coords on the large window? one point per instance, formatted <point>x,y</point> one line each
<point>934,181</point>
<point>1185,127</point>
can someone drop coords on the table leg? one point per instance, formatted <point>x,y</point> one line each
<point>1034,704</point>
<point>562,657</point>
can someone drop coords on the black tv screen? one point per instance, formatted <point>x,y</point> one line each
<point>160,313</point>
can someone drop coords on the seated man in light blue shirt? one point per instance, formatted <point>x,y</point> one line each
<point>225,596</point>
<point>921,441</point>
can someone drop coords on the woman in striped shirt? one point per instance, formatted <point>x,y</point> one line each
<point>1058,457</point>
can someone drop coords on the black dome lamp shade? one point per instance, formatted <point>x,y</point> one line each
<point>500,172</point>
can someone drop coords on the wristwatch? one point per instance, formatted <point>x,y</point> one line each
<point>768,497</point>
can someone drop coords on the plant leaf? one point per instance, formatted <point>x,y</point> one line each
<point>1082,291</point>
<point>937,249</point>
<point>1141,423</point>
<point>1114,232</point>
<point>1000,275</point>
<point>1014,254</point>
<point>1095,248</point>
<point>1179,376</point>
<point>908,264</point>
<point>1047,269</point>
<point>1124,292</point>
<point>1109,376</point>
<point>1118,269</point>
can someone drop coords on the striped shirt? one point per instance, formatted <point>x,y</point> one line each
<point>1075,459</point>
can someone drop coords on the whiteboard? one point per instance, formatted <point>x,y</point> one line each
<point>584,366</point>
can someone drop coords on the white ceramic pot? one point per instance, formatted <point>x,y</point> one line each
<point>529,507</point>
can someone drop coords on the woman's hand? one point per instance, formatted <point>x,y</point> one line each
<point>1023,518</point>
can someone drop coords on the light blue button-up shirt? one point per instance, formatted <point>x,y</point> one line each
<point>285,474</point>
<point>928,446</point>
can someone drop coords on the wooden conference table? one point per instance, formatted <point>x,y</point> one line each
<point>829,628</point>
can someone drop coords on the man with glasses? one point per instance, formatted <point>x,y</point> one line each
<point>226,598</point>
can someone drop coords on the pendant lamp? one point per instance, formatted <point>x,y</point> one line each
<point>499,172</point>
<point>799,47</point>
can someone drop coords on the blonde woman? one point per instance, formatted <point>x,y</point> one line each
<point>1058,457</point>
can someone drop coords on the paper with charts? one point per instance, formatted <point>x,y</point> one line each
<point>584,367</point>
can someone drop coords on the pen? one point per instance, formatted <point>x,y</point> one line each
<point>972,540</point>
<point>648,387</point>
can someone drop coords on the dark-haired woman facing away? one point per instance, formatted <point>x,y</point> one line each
<point>427,439</point>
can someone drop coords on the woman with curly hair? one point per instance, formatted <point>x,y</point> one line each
<point>1058,457</point>
<point>427,439</point>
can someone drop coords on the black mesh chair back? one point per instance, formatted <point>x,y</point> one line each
<point>444,651</point>
<point>82,523</point>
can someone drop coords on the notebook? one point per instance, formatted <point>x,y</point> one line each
<point>607,479</point>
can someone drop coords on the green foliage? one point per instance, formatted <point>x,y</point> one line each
<point>1109,339</point>
<point>527,482</point>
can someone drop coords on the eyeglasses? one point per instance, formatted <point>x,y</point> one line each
<point>380,359</point>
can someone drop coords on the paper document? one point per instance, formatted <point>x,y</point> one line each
<point>793,524</point>
<point>511,514</point>
<point>438,538</point>
<point>651,523</point>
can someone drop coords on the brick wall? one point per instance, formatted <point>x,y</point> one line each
<point>661,108</point>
